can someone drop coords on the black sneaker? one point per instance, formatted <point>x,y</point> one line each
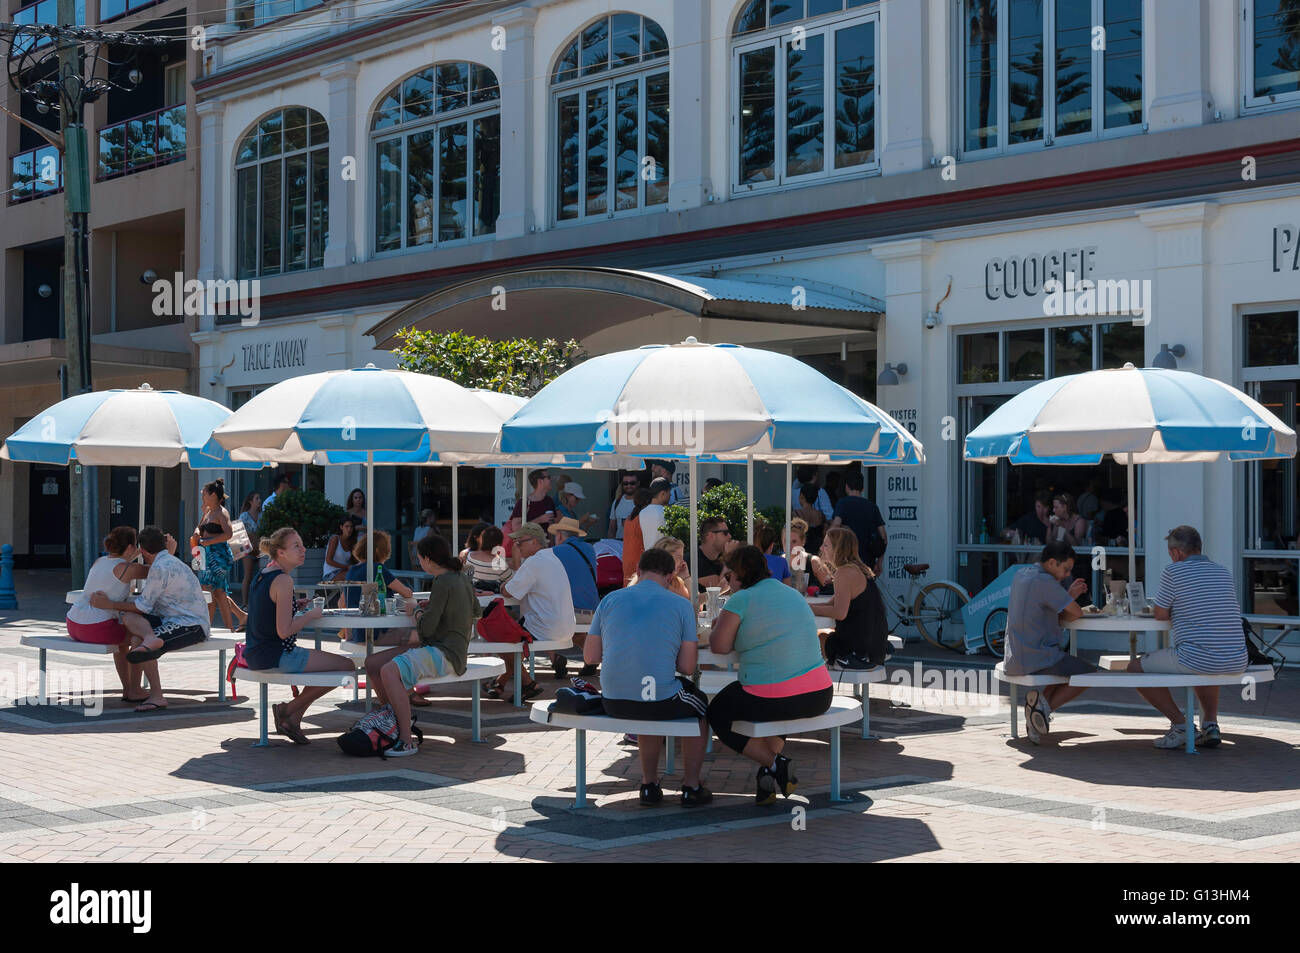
<point>765,787</point>
<point>561,665</point>
<point>786,782</point>
<point>854,663</point>
<point>696,796</point>
<point>652,794</point>
<point>589,670</point>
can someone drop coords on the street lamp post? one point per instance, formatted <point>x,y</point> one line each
<point>79,52</point>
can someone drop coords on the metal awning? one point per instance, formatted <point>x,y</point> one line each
<point>574,302</point>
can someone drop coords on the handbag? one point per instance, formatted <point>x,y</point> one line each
<point>498,625</point>
<point>240,544</point>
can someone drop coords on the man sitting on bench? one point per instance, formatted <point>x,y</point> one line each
<point>1035,640</point>
<point>170,612</point>
<point>642,636</point>
<point>1199,597</point>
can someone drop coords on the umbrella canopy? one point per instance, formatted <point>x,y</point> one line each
<point>137,428</point>
<point>693,399</point>
<point>1138,414</point>
<point>363,410</point>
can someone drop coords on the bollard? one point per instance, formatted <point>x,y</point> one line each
<point>8,597</point>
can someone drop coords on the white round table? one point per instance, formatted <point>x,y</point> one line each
<point>336,619</point>
<point>1091,622</point>
<point>819,600</point>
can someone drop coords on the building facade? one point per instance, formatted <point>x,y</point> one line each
<point>868,185</point>
<point>144,223</point>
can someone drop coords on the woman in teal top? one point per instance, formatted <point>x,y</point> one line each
<point>782,673</point>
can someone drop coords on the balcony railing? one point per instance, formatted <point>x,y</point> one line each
<point>150,140</point>
<point>35,174</point>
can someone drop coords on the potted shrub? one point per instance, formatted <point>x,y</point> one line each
<point>315,518</point>
<point>726,500</point>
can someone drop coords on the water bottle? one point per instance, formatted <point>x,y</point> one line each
<point>381,590</point>
<point>984,532</point>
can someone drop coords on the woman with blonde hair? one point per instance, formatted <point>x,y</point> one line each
<point>681,571</point>
<point>860,637</point>
<point>273,629</point>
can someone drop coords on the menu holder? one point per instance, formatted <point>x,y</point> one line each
<point>1137,597</point>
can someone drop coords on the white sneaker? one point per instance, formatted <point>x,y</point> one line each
<point>1038,720</point>
<point>402,749</point>
<point>1176,738</point>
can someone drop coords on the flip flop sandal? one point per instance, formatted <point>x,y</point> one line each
<point>139,656</point>
<point>150,706</point>
<point>134,701</point>
<point>531,691</point>
<point>419,700</point>
<point>277,713</point>
<point>294,734</point>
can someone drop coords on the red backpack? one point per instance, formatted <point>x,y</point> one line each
<point>609,572</point>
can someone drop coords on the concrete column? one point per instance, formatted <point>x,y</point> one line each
<point>1199,494</point>
<point>519,119</point>
<point>688,92</point>
<point>1177,73</point>
<point>341,245</point>
<point>213,206</point>
<point>904,64</point>
<point>908,495</point>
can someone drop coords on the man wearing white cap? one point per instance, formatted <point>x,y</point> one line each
<point>571,497</point>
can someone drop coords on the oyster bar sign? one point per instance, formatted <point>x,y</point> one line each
<point>273,354</point>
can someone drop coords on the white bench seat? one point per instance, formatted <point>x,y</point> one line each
<point>581,724</point>
<point>860,677</point>
<point>1113,675</point>
<point>63,643</point>
<point>843,711</point>
<point>475,671</point>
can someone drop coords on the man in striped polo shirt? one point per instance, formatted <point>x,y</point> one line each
<point>1199,597</point>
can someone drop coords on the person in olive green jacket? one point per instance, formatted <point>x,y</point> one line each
<point>445,625</point>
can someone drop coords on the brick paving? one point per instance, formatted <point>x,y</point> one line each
<point>937,785</point>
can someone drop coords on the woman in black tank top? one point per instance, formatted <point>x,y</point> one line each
<point>273,628</point>
<point>860,637</point>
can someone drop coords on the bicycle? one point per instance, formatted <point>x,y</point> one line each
<point>995,632</point>
<point>934,609</point>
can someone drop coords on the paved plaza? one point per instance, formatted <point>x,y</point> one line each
<point>940,783</point>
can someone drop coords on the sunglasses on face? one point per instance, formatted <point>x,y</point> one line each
<point>724,532</point>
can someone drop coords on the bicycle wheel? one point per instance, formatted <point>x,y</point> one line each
<point>937,615</point>
<point>995,632</point>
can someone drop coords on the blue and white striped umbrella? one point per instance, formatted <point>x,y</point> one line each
<point>1137,414</point>
<point>142,427</point>
<point>710,401</point>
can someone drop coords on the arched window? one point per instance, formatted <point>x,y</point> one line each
<point>805,90</point>
<point>610,90</point>
<point>282,194</point>
<point>437,149</point>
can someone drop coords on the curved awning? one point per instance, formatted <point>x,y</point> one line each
<point>574,302</point>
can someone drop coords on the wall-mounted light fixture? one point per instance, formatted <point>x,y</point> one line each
<point>1165,359</point>
<point>890,375</point>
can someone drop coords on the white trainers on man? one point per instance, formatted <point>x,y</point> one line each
<point>1038,715</point>
<point>1177,738</point>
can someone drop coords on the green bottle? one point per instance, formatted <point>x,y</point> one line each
<point>382,590</point>
<point>984,531</point>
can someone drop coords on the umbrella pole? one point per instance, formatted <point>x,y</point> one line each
<point>523,496</point>
<point>370,549</point>
<point>789,506</point>
<point>694,477</point>
<point>1132,554</point>
<point>455,509</point>
<point>144,477</point>
<point>749,495</point>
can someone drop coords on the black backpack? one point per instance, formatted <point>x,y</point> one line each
<point>582,699</point>
<point>1255,654</point>
<point>375,733</point>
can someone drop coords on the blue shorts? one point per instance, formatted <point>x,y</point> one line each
<point>421,663</point>
<point>294,661</point>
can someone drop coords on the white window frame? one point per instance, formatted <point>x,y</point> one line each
<point>609,80</point>
<point>1049,139</point>
<point>1250,102</point>
<point>467,114</point>
<point>776,38</point>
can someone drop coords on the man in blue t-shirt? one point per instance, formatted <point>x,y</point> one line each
<point>862,516</point>
<point>579,561</point>
<point>642,636</point>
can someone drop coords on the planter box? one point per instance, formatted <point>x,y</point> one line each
<point>309,573</point>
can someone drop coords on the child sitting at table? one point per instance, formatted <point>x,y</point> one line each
<point>360,572</point>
